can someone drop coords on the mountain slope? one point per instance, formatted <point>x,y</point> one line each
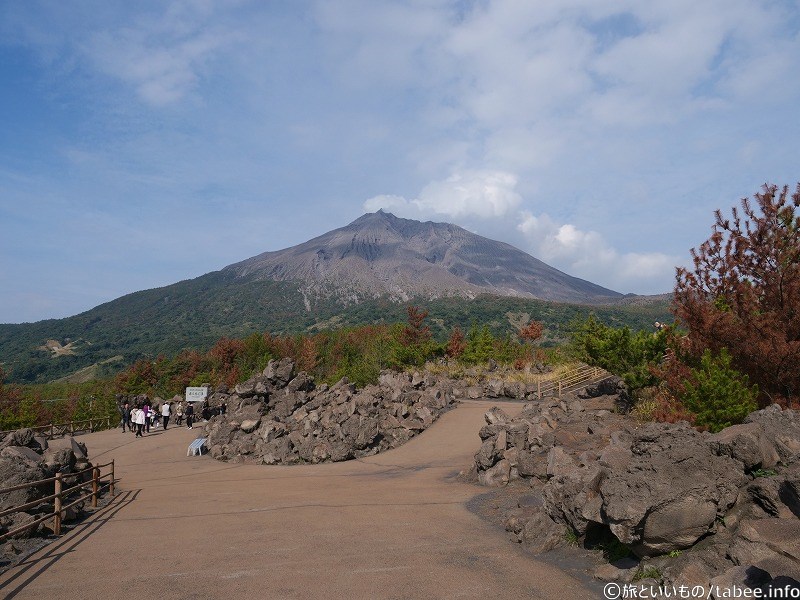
<point>380,254</point>
<point>352,275</point>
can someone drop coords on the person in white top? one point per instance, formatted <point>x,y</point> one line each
<point>165,414</point>
<point>137,416</point>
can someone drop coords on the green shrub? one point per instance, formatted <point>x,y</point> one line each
<point>717,393</point>
<point>647,573</point>
<point>619,350</point>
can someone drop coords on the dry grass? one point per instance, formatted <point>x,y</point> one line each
<point>646,405</point>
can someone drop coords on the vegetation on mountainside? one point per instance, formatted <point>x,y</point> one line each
<point>29,405</point>
<point>195,314</point>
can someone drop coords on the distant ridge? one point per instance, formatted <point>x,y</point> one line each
<point>380,254</point>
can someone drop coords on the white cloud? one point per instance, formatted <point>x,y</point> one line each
<point>483,194</point>
<point>389,203</point>
<point>164,56</point>
<point>588,255</point>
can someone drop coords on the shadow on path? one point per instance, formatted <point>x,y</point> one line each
<point>36,564</point>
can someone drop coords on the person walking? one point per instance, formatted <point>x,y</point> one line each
<point>165,413</point>
<point>179,413</point>
<point>126,417</point>
<point>146,410</point>
<point>189,415</point>
<point>138,418</point>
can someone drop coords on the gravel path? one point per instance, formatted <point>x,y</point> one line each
<point>394,525</point>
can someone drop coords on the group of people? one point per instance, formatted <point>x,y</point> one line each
<point>142,416</point>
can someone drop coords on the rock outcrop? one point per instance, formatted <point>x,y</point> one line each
<point>282,417</point>
<point>691,505</point>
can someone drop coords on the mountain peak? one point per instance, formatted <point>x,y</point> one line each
<point>380,254</point>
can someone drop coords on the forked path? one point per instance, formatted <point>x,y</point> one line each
<point>388,526</point>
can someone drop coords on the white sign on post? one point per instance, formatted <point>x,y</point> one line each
<point>196,394</point>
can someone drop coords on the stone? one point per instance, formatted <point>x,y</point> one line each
<point>474,392</point>
<point>532,464</point>
<point>741,577</point>
<point>677,525</point>
<point>21,519</point>
<point>79,448</point>
<point>782,429</point>
<point>280,371</point>
<point>22,454</point>
<point>496,415</point>
<point>560,462</point>
<point>746,443</point>
<point>250,425</point>
<point>541,534</point>
<point>486,455</point>
<point>301,383</point>
<point>498,475</point>
<point>246,389</point>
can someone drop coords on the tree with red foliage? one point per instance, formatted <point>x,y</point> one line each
<point>226,352</point>
<point>531,332</point>
<point>308,355</point>
<point>139,378</point>
<point>416,332</point>
<point>743,293</point>
<point>456,344</point>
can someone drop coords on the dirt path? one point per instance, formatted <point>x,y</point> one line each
<point>389,526</point>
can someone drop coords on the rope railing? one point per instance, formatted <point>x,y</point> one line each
<point>60,495</point>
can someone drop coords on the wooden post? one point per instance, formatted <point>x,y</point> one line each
<point>57,506</point>
<point>95,477</point>
<point>72,427</point>
<point>52,432</point>
<point>111,484</point>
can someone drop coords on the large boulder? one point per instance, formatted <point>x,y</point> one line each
<point>781,429</point>
<point>20,465</point>
<point>747,443</point>
<point>672,491</point>
<point>279,372</point>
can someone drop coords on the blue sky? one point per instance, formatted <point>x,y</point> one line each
<point>144,143</point>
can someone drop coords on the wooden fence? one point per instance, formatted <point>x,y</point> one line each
<point>571,380</point>
<point>61,494</point>
<point>54,430</point>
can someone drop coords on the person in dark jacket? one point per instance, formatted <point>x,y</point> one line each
<point>126,417</point>
<point>189,415</point>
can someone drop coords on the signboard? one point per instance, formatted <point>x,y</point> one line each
<point>196,394</point>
